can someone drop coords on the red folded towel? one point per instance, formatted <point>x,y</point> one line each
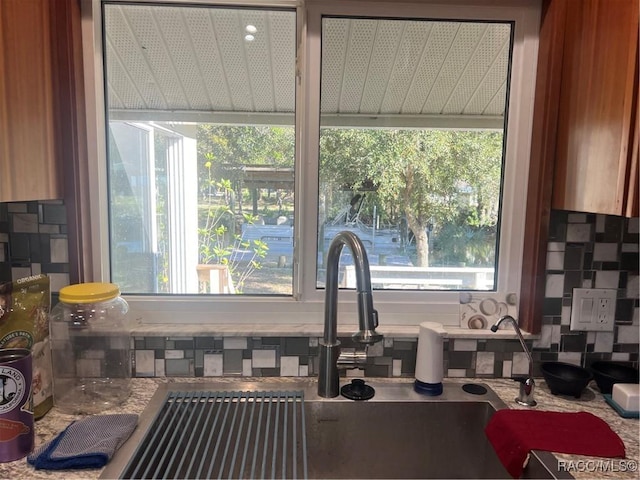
<point>514,433</point>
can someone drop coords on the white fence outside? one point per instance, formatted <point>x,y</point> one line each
<point>424,278</point>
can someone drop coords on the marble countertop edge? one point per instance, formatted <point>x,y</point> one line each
<point>288,330</point>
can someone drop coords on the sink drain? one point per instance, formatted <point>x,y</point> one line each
<point>357,390</point>
<point>474,389</point>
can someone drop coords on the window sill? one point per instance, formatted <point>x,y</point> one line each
<point>257,330</point>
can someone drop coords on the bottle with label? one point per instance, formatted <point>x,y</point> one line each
<point>90,345</point>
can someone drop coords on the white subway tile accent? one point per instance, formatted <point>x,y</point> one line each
<point>607,279</point>
<point>628,334</point>
<point>465,345</point>
<point>264,359</point>
<point>234,343</point>
<point>58,280</point>
<point>575,358</point>
<point>246,367</point>
<point>289,366</point>
<point>484,363</point>
<point>506,369</point>
<point>21,272</point>
<point>520,364</point>
<point>620,357</point>
<point>59,250</point>
<point>213,365</point>
<point>587,283</point>
<point>555,247</point>
<point>145,363</point>
<point>396,368</point>
<point>545,337</point>
<point>555,261</point>
<point>604,342</point>
<point>555,286</point>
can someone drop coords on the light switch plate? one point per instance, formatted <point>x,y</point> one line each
<point>593,309</point>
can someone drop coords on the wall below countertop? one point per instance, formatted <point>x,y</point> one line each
<point>584,251</point>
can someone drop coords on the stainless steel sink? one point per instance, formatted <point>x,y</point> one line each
<point>397,434</point>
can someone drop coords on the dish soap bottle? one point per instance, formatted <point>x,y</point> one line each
<point>90,348</point>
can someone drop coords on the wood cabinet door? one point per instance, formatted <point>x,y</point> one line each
<point>28,167</point>
<point>597,98</point>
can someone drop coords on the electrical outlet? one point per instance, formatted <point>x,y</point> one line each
<point>604,310</point>
<point>593,309</point>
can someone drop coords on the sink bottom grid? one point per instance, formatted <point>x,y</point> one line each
<point>224,435</point>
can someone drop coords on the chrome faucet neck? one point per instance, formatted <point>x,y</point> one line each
<point>328,380</point>
<point>527,385</point>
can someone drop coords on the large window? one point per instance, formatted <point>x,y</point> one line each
<point>239,140</point>
<point>414,164</point>
<point>200,113</point>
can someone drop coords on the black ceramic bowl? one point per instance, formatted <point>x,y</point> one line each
<point>608,373</point>
<point>565,379</point>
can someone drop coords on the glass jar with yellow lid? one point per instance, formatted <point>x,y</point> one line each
<point>90,348</point>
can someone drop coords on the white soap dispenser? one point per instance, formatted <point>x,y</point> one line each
<point>430,359</point>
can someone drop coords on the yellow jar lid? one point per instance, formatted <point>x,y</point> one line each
<point>92,292</point>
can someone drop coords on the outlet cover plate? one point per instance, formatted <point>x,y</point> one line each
<point>593,309</point>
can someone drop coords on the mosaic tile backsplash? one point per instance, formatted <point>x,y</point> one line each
<point>584,251</point>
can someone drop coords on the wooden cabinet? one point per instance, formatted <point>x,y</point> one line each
<point>597,140</point>
<point>584,148</point>
<point>29,166</point>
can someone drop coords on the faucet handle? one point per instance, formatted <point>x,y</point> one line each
<point>375,318</point>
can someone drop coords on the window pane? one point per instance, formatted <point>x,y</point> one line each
<point>411,148</point>
<point>201,148</point>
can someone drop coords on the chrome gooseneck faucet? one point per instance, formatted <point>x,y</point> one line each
<point>527,385</point>
<point>328,378</point>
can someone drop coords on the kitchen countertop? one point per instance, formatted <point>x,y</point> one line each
<point>580,467</point>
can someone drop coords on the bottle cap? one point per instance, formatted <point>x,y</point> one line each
<point>92,292</point>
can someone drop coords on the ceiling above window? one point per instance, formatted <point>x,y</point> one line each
<point>237,66</point>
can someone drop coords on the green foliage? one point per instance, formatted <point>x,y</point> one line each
<point>446,182</point>
<point>427,176</point>
<point>218,240</point>
<point>463,242</point>
<point>225,147</point>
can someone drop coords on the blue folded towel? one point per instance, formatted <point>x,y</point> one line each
<point>86,443</point>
